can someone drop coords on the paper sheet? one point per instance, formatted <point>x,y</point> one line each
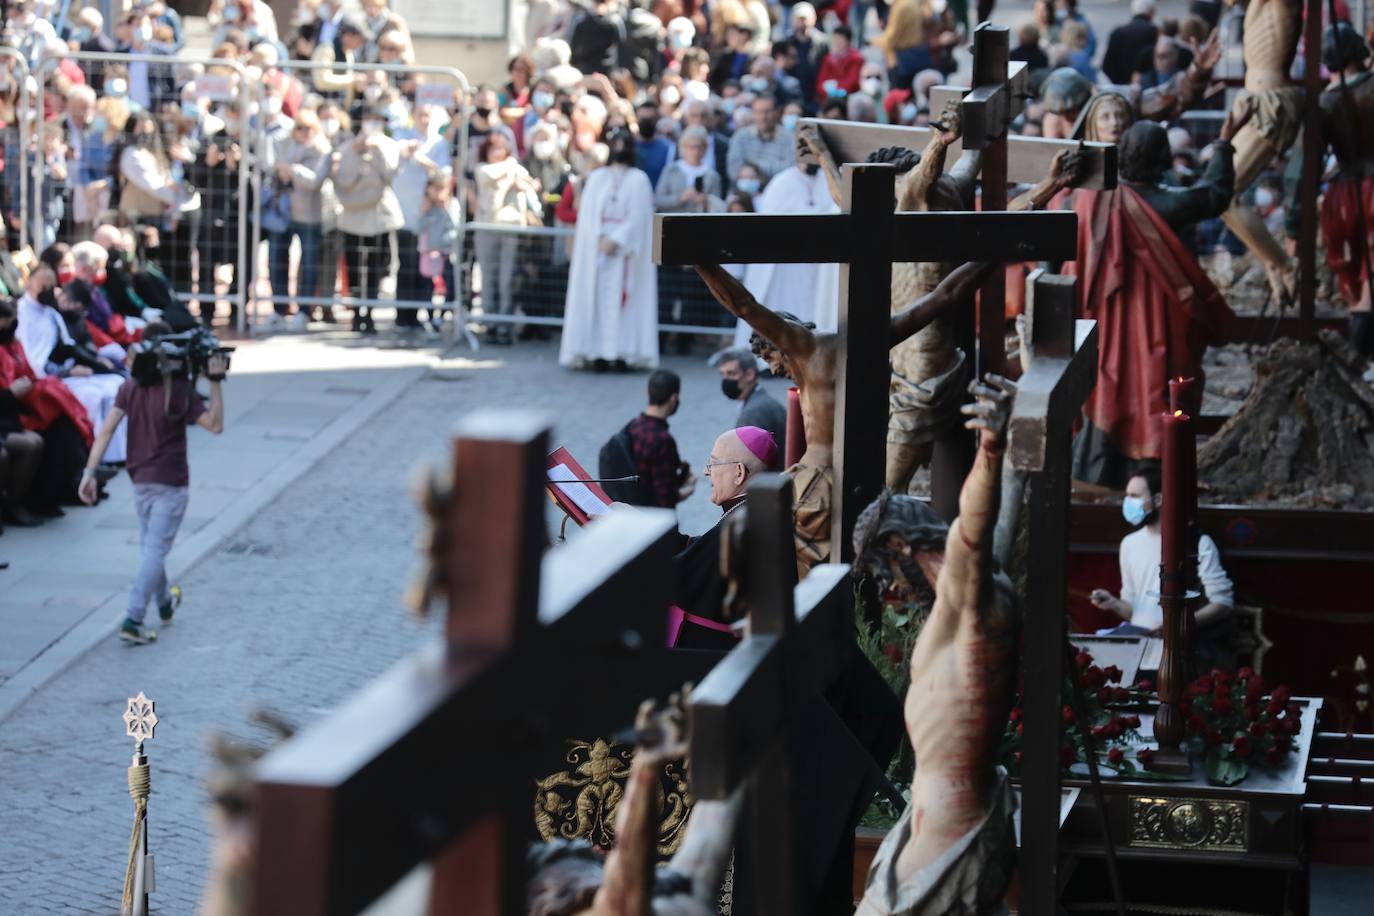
<point>581,496</point>
<point>1154,654</point>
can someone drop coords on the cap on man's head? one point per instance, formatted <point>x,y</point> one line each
<point>760,444</point>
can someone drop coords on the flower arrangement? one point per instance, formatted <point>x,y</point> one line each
<point>1233,724</point>
<point>1106,706</point>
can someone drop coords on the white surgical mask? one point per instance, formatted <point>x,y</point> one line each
<point>231,13</point>
<point>909,112</point>
<point>872,86</point>
<point>789,122</point>
<point>145,33</point>
<point>938,7</point>
<point>371,128</point>
<point>748,185</point>
<point>116,87</point>
<point>670,95</point>
<point>544,149</point>
<point>273,105</point>
<point>330,126</point>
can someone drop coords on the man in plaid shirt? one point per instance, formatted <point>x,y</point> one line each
<point>663,475</point>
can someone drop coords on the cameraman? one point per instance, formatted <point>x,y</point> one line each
<point>159,409</point>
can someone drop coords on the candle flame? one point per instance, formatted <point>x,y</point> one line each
<point>1178,413</point>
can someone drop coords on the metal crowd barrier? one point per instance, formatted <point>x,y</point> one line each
<point>18,69</point>
<point>685,305</point>
<point>427,86</point>
<point>195,239</point>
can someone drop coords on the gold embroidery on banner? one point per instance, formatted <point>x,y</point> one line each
<point>1190,823</point>
<point>581,802</point>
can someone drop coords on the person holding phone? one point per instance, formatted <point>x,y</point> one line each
<point>688,184</point>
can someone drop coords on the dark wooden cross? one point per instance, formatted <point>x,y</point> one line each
<point>432,762</point>
<point>1062,372</point>
<point>745,713</point>
<point>1000,88</point>
<point>865,239</point>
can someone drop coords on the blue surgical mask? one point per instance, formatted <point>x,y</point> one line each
<point>748,185</point>
<point>543,101</point>
<point>728,105</point>
<point>1134,511</point>
<point>789,122</point>
<point>190,110</point>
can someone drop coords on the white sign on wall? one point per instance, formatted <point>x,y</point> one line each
<point>456,18</point>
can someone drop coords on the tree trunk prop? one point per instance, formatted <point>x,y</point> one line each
<point>1305,434</point>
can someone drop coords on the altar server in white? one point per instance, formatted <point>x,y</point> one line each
<point>611,316</point>
<point>809,291</point>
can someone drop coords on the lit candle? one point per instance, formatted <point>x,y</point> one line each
<point>796,431</point>
<point>1185,395</point>
<point>1176,431</point>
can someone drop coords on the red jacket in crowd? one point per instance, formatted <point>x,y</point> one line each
<point>844,71</point>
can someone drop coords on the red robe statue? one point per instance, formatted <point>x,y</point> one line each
<point>1157,312</point>
<point>49,398</point>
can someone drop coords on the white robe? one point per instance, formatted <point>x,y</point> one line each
<point>40,329</point>
<point>809,291</point>
<point>612,304</point>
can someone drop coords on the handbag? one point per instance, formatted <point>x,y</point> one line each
<point>431,261</point>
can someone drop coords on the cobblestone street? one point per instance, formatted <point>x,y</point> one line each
<point>293,611</point>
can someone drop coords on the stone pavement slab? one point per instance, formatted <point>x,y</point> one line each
<point>288,400</point>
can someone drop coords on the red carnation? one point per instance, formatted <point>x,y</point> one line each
<point>1252,712</point>
<point>1066,715</point>
<point>1211,737</point>
<point>1295,710</point>
<point>1113,673</point>
<point>1223,706</point>
<point>1245,673</point>
<point>1274,756</point>
<point>1273,707</point>
<point>1083,659</point>
<point>1258,729</point>
<point>1132,721</point>
<point>1282,695</point>
<point>1067,755</point>
<point>1292,725</point>
<point>1241,746</point>
<point>1019,757</point>
<point>1254,690</point>
<point>1145,755</point>
<point>893,653</point>
<point>1221,677</point>
<point>1195,723</point>
<point>1145,685</point>
<point>1116,755</point>
<point>1120,694</point>
<point>1020,728</point>
<point>1016,714</point>
<point>1099,730</point>
<point>1275,726</point>
<point>1093,677</point>
<point>1185,706</point>
<point>1104,694</point>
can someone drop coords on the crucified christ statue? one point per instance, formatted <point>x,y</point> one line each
<point>1272,31</point>
<point>953,849</point>
<point>808,358</point>
<point>572,879</point>
<point>929,372</point>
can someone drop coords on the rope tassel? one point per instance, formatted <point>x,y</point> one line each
<point>140,787</point>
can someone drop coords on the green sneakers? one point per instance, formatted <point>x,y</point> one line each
<point>134,634</point>
<point>166,611</point>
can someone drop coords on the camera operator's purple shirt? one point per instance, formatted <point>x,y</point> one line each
<point>157,430</point>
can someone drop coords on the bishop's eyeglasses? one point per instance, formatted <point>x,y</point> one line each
<point>715,464</point>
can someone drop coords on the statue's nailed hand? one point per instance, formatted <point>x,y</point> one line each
<point>661,732</point>
<point>950,127</point>
<point>1069,168</point>
<point>991,412</point>
<point>810,146</point>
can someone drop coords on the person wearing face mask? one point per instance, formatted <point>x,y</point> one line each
<point>145,191</point>
<point>732,61</point>
<point>369,211</point>
<point>764,142</point>
<point>840,68</point>
<point>1138,604</point>
<point>51,351</point>
<point>652,153</point>
<point>215,173</point>
<point>809,291</point>
<point>542,99</point>
<point>811,48</point>
<point>379,20</point>
<point>739,381</point>
<point>873,83</point>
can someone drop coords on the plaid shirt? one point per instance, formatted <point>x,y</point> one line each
<point>656,459</point>
<point>771,156</point>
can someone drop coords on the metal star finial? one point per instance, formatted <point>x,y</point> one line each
<point>140,719</point>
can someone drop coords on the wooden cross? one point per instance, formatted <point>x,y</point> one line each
<point>1000,88</point>
<point>432,761</point>
<point>865,239</point>
<point>745,713</point>
<point>1051,393</point>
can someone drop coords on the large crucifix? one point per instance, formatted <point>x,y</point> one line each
<point>435,759</point>
<point>929,370</point>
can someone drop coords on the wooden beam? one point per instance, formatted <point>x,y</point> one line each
<point>1313,160</point>
<point>761,238</point>
<point>998,96</point>
<point>1028,158</point>
<point>861,380</point>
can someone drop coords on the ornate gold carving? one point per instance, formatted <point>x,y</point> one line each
<point>580,803</point>
<point>1190,823</point>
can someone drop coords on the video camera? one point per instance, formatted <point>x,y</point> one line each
<point>186,354</point>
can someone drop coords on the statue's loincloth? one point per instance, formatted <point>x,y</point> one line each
<point>1278,114</point>
<point>968,879</point>
<point>811,498</point>
<point>920,410</point>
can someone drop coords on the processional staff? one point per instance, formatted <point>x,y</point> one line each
<point>140,720</point>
